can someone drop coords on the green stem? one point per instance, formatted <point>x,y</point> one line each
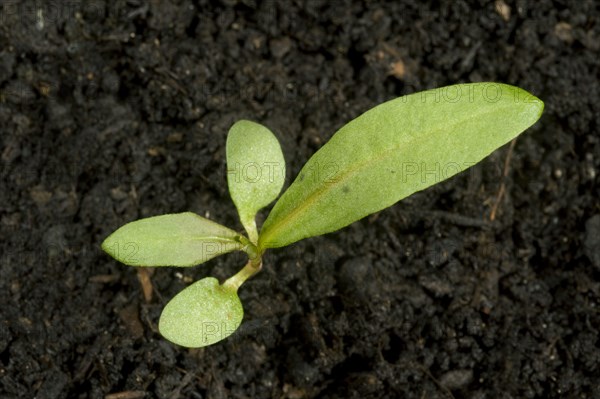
<point>250,248</point>
<point>252,267</point>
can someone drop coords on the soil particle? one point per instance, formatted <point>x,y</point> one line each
<point>591,244</point>
<point>355,280</point>
<point>456,379</point>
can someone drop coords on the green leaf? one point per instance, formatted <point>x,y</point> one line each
<point>395,149</point>
<point>202,314</point>
<point>180,239</point>
<point>255,170</point>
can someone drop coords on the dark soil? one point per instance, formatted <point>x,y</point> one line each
<point>113,111</point>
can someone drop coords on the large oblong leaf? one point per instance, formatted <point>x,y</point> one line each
<point>202,314</point>
<point>180,239</point>
<point>395,149</point>
<point>255,170</point>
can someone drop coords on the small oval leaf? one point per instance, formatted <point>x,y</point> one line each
<point>395,149</point>
<point>255,170</point>
<point>180,239</point>
<point>202,314</point>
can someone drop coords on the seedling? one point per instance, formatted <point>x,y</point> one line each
<point>368,165</point>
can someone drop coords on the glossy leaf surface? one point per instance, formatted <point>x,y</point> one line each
<point>395,149</point>
<point>180,239</point>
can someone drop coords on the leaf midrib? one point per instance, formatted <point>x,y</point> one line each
<point>199,238</point>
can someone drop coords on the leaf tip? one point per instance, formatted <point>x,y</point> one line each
<point>534,106</point>
<point>107,245</point>
<point>537,106</point>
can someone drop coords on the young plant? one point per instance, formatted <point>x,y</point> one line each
<point>368,165</point>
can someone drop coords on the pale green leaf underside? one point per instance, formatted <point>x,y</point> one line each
<point>181,239</point>
<point>395,149</point>
<point>255,168</point>
<point>202,314</point>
